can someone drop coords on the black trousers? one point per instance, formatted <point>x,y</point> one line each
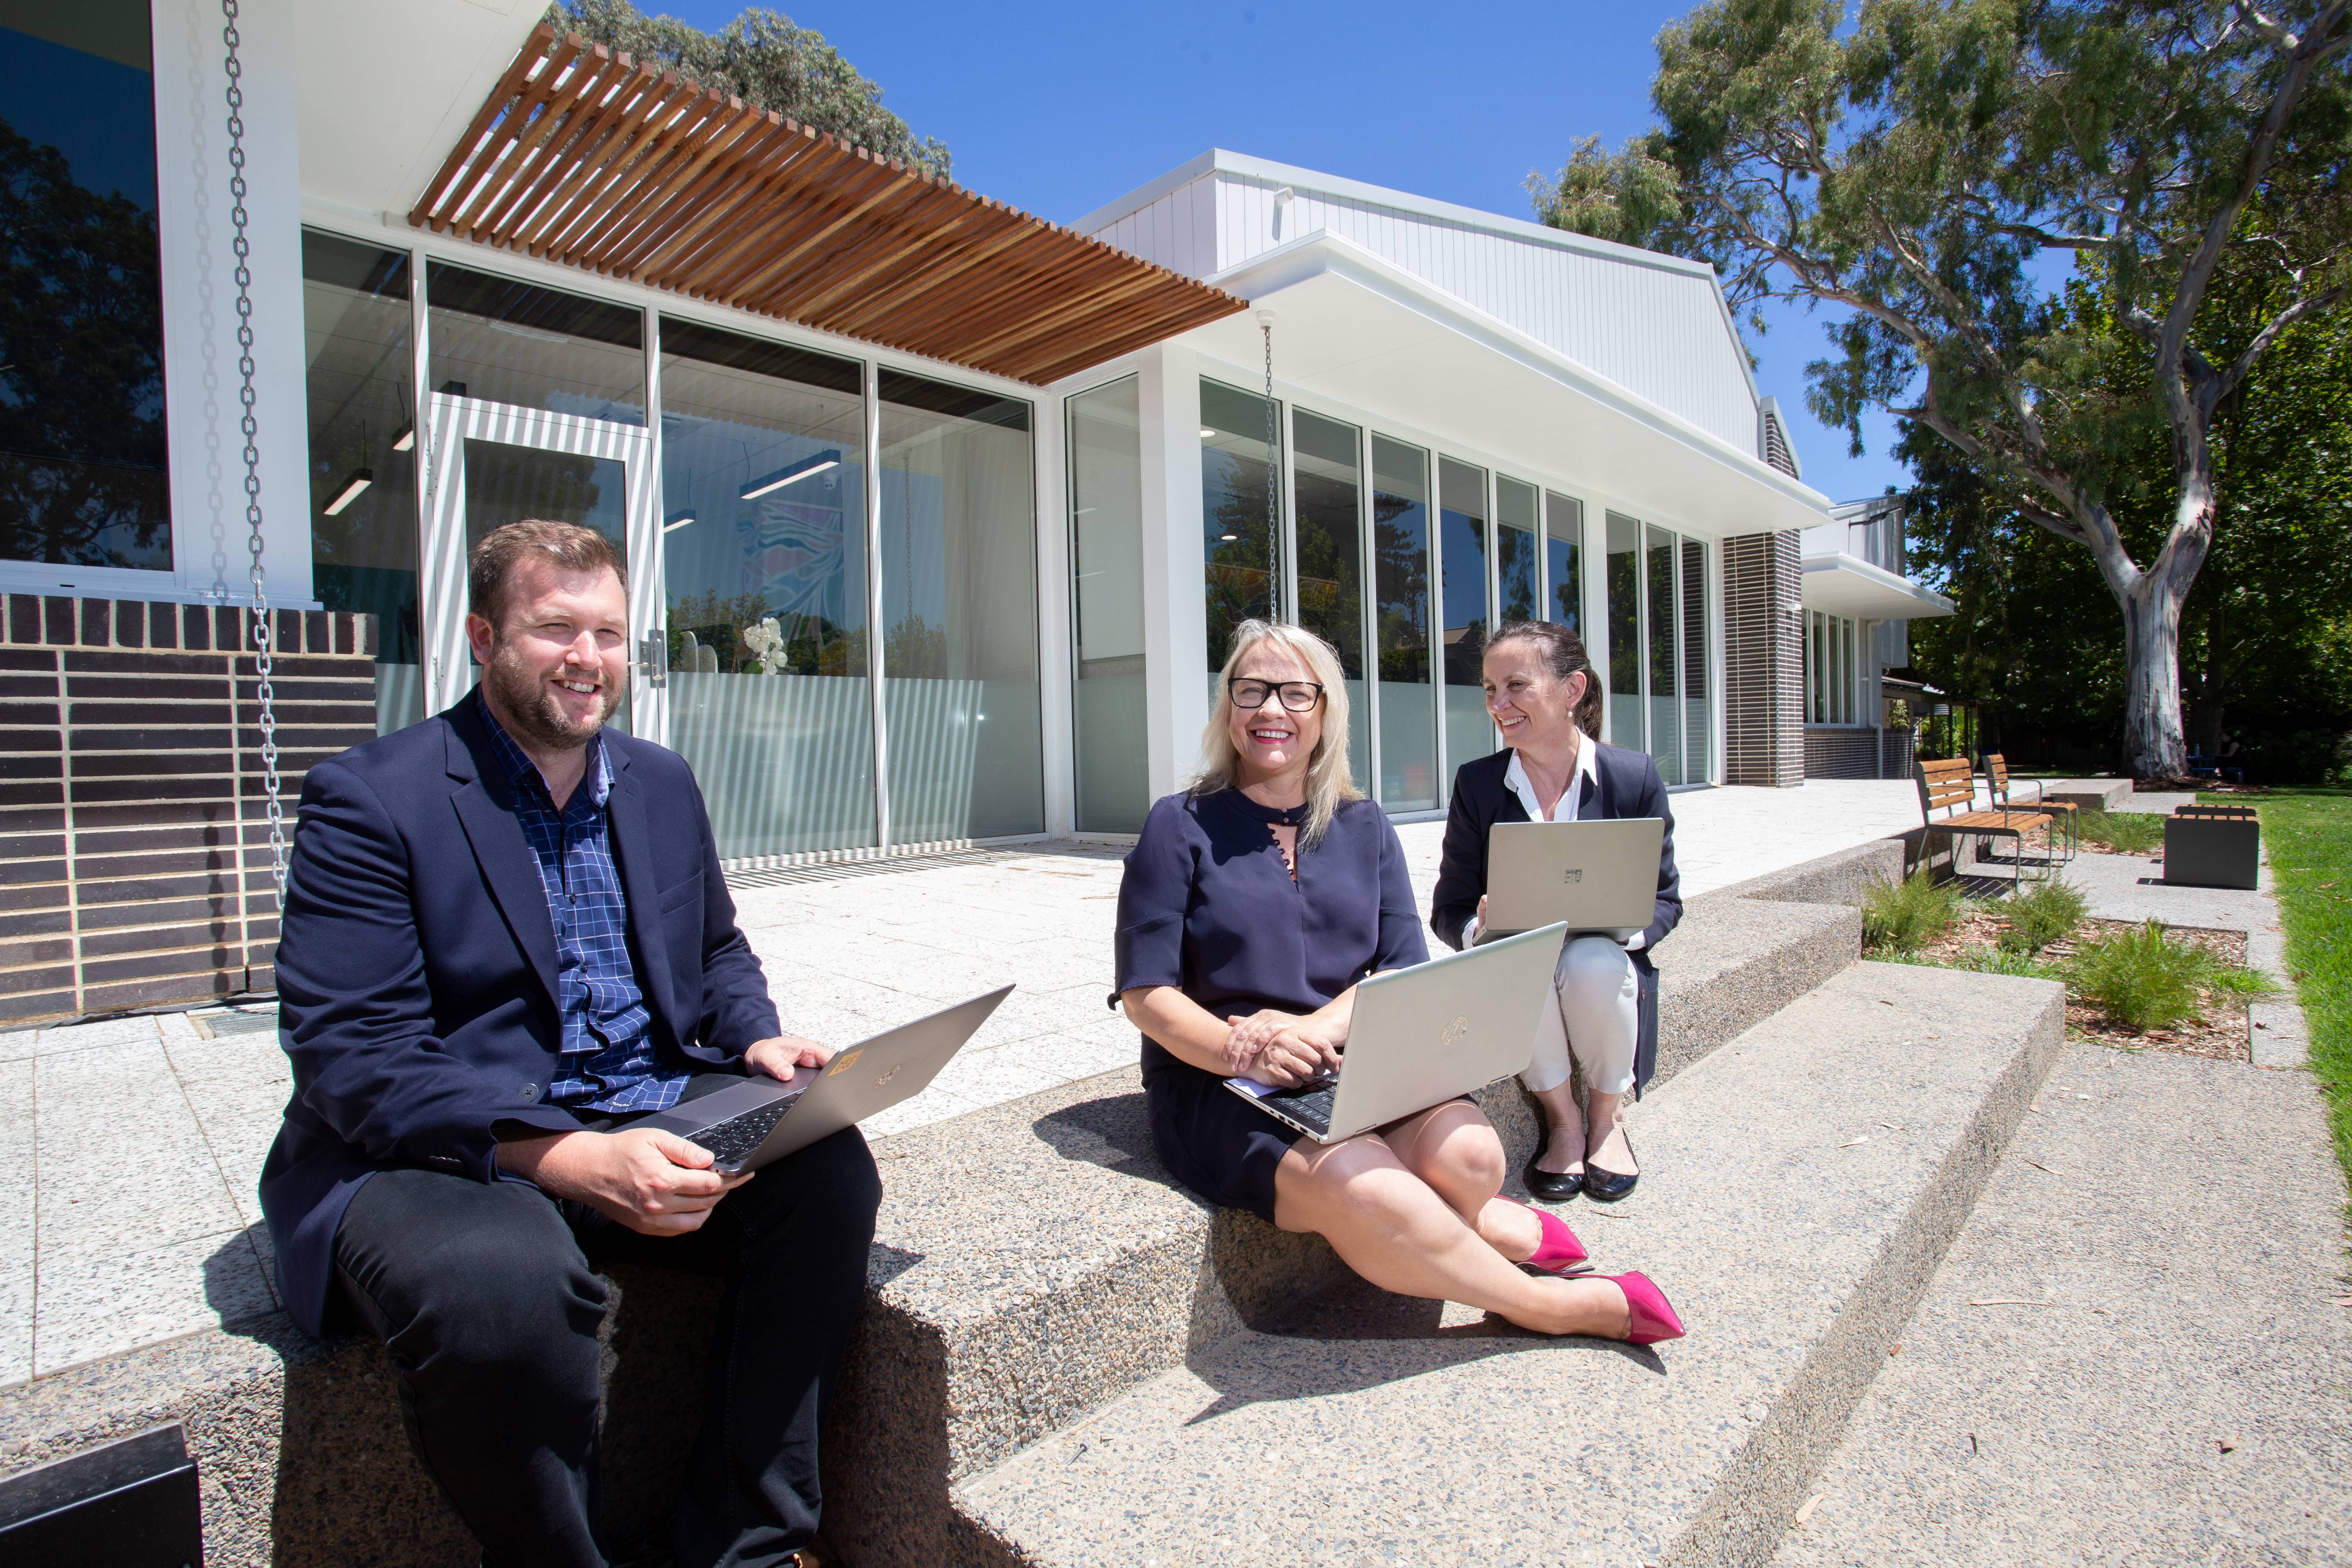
<point>487,1298</point>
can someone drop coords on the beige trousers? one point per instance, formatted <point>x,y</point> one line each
<point>1598,1019</point>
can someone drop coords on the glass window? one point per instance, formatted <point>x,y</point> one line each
<point>536,348</point>
<point>1237,539</point>
<point>1564,560</point>
<point>1664,617</point>
<point>1328,471</point>
<point>1624,578</point>
<point>82,475</point>
<point>1408,716</point>
<point>763,561</point>
<point>363,408</point>
<point>958,569</point>
<point>1698,729</point>
<point>1462,498</point>
<point>1112,741</point>
<point>1518,591</point>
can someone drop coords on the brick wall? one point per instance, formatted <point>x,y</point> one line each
<point>135,838</point>
<point>1763,660</point>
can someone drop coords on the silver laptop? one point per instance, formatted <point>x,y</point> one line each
<point>1424,1035</point>
<point>1598,876</point>
<point>761,1119</point>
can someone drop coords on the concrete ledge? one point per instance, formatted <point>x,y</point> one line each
<point>1800,1187</point>
<point>1032,1264</point>
<point>2086,795</point>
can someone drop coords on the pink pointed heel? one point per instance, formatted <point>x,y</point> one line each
<point>1558,1251</point>
<point>1653,1314</point>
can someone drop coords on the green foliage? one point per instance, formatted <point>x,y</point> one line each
<point>1998,960</point>
<point>2040,914</point>
<point>763,59</point>
<point>1904,917</point>
<point>2125,832</point>
<point>1920,165</point>
<point>2145,980</point>
<point>2309,835</point>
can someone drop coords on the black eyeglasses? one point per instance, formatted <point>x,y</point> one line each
<point>1298,695</point>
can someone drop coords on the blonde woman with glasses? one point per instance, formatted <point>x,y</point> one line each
<point>1253,904</point>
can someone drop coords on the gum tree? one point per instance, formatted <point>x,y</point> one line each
<point>1935,166</point>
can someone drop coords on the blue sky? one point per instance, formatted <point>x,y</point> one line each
<point>1057,108</point>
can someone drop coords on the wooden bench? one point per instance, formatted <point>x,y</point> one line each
<point>1951,787</point>
<point>2063,811</point>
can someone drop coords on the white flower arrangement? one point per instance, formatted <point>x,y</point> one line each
<point>767,645</point>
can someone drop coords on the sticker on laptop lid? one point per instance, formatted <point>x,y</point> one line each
<point>841,1063</point>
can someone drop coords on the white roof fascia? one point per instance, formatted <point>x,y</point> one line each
<point>1853,585</point>
<point>1322,250</point>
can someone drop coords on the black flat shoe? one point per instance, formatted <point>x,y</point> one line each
<point>1608,1186</point>
<point>1556,1186</point>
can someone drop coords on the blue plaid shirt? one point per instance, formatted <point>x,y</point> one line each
<point>610,1063</point>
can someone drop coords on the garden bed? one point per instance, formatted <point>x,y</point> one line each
<point>2218,1030</point>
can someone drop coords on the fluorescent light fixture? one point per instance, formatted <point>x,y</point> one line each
<point>360,478</point>
<point>405,441</point>
<point>677,521</point>
<point>1206,432</point>
<point>1229,537</point>
<point>829,457</point>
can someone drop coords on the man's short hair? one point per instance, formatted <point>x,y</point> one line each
<point>490,569</point>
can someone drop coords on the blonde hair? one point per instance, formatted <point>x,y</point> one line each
<point>1328,781</point>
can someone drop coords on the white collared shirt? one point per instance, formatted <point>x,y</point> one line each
<point>1585,785</point>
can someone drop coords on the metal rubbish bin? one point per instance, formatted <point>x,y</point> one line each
<point>2212,847</point>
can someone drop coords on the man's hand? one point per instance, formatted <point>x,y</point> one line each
<point>651,1181</point>
<point>779,1056</point>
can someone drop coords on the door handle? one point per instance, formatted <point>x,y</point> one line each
<point>653,657</point>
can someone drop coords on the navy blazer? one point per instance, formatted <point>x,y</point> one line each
<point>416,968</point>
<point>1630,786</point>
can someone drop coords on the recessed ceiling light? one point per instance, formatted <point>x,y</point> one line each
<point>360,478</point>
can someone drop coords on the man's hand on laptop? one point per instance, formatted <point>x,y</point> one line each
<point>650,1180</point>
<point>779,1056</point>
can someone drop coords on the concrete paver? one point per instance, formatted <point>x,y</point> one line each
<point>2134,1352</point>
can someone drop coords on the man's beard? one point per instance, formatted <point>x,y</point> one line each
<point>526,705</point>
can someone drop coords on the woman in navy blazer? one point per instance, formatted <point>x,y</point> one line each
<point>1546,699</point>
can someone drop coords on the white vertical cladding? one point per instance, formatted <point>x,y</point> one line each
<point>1056,663</point>
<point>200,380</point>
<point>1175,616</point>
<point>1656,329</point>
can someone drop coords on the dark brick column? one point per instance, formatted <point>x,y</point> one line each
<point>1763,660</point>
<point>134,837</point>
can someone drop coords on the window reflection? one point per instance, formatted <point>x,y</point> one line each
<point>1699,731</point>
<point>959,569</point>
<point>82,475</point>
<point>1106,552</point>
<point>1518,593</point>
<point>1329,506</point>
<point>506,341</point>
<point>1623,578</point>
<point>1665,712</point>
<point>363,450</point>
<point>1462,494</point>
<point>1236,536</point>
<point>763,556</point>
<point>1564,560</point>
<point>1400,622</point>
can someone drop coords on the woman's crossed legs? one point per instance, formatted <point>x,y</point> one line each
<point>1412,1208</point>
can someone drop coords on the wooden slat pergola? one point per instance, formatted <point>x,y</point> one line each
<point>583,156</point>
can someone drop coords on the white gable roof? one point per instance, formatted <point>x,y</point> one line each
<point>1657,325</point>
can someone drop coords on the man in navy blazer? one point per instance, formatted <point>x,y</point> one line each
<point>506,940</point>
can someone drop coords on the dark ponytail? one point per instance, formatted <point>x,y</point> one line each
<point>1563,651</point>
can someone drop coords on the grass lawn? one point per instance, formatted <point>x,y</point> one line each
<point>2307,833</point>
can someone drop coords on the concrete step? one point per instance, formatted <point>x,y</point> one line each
<point>1033,1263</point>
<point>2185,1395</point>
<point>1800,1186</point>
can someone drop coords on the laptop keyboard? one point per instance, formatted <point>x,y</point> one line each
<point>1309,1103</point>
<point>735,1140</point>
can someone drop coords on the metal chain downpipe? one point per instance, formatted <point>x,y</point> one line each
<point>250,426</point>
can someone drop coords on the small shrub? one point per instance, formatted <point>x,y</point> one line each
<point>2146,982</point>
<point>1905,916</point>
<point>2004,961</point>
<point>2042,915</point>
<point>2125,832</point>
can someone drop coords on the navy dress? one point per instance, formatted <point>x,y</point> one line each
<point>1208,906</point>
